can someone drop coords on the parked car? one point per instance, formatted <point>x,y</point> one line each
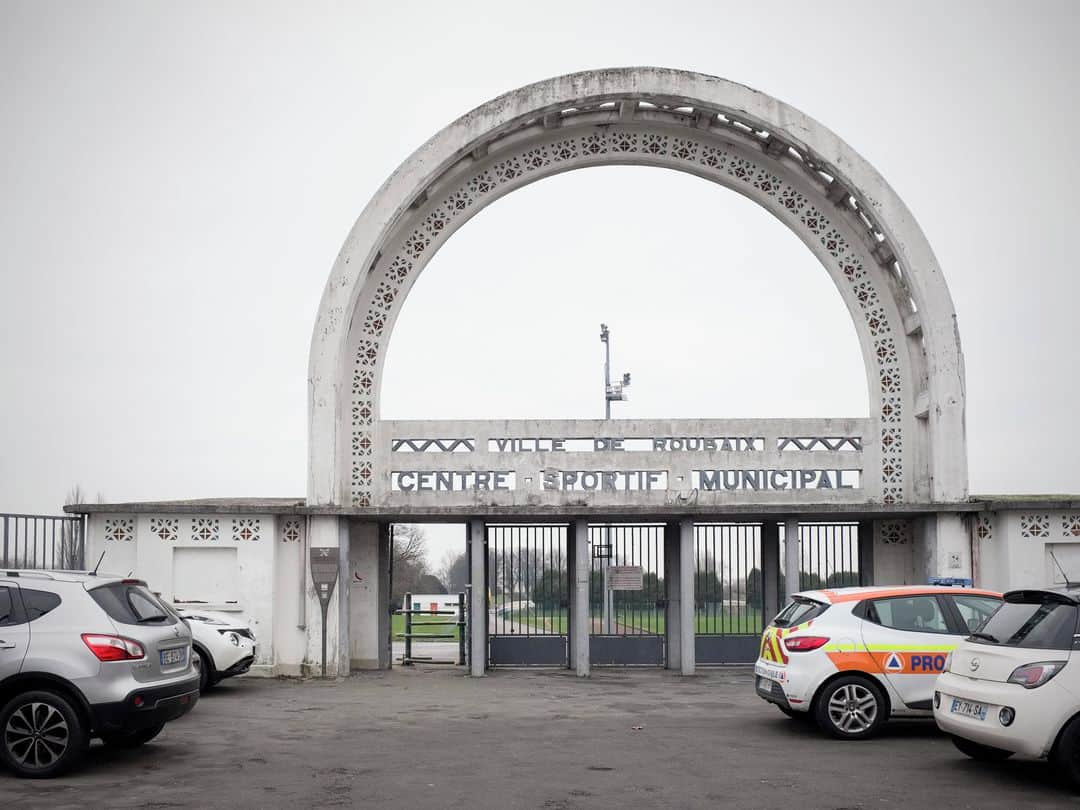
<point>85,656</point>
<point>851,658</point>
<point>223,643</point>
<point>1009,690</point>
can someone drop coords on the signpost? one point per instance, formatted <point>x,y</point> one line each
<point>324,574</point>
<point>625,578</point>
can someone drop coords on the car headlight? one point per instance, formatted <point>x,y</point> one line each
<point>231,637</point>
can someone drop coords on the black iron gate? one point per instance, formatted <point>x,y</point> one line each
<point>627,626</point>
<point>728,592</point>
<point>528,595</point>
<point>828,556</point>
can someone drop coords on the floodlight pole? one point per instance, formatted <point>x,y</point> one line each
<point>607,370</point>
<point>611,393</point>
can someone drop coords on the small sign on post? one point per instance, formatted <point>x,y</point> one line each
<point>324,574</point>
<point>625,578</point>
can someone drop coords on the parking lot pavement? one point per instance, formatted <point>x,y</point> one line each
<point>416,738</point>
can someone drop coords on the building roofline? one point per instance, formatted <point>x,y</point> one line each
<point>848,511</point>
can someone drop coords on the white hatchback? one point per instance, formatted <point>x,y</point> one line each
<point>1010,689</point>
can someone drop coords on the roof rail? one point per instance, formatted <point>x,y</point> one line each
<point>21,572</point>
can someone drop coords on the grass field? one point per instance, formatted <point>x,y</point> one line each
<point>397,625</point>
<point>747,622</point>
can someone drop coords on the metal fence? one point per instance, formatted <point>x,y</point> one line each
<point>728,592</point>
<point>528,593</point>
<point>828,555</point>
<point>627,626</point>
<point>42,541</point>
<point>627,613</point>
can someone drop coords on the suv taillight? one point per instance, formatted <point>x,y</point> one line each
<point>113,648</point>
<point>804,643</point>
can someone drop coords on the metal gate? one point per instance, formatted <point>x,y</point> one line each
<point>828,555</point>
<point>528,595</point>
<point>627,626</point>
<point>728,592</point>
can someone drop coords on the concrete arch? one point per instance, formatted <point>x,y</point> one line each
<point>806,176</point>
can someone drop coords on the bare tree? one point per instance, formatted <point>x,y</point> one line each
<point>410,572</point>
<point>410,545</point>
<point>71,540</point>
<point>454,571</point>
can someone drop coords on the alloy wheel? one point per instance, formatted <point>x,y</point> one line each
<point>36,735</point>
<point>853,708</point>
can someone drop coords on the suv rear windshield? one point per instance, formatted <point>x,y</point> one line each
<point>1036,621</point>
<point>128,603</point>
<point>798,611</point>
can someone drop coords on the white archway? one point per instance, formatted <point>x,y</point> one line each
<point>807,177</point>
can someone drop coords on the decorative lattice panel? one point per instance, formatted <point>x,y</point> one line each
<point>292,531</point>
<point>120,529</point>
<point>1034,525</point>
<point>895,532</point>
<point>984,527</point>
<point>245,529</point>
<point>208,529</point>
<point>1070,525</point>
<point>697,154</point>
<point>165,528</point>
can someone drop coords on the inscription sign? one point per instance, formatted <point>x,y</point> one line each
<point>604,480</point>
<point>759,480</point>
<point>600,444</point>
<point>624,578</point>
<point>452,480</point>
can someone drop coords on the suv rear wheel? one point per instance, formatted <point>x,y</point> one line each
<point>850,708</point>
<point>41,735</point>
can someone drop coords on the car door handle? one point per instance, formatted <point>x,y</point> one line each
<point>7,645</point>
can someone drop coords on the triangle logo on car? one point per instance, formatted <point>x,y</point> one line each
<point>894,663</point>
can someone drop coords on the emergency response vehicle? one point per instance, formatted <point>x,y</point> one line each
<point>851,658</point>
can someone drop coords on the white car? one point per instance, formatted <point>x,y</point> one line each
<point>1009,690</point>
<point>224,645</point>
<point>850,658</point>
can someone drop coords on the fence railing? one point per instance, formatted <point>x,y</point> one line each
<point>42,541</point>
<point>411,625</point>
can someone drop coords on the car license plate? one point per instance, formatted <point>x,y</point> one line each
<point>968,709</point>
<point>173,656</point>
<point>771,673</point>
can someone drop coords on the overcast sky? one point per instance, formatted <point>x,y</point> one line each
<point>176,180</point>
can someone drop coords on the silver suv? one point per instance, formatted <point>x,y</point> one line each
<point>85,655</point>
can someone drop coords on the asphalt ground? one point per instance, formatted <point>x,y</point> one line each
<point>432,738</point>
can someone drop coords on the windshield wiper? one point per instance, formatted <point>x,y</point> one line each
<point>986,636</point>
<point>159,618</point>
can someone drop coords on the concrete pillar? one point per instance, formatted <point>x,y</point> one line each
<point>386,629</point>
<point>367,581</point>
<point>770,569</point>
<point>945,546</point>
<point>579,611</point>
<point>477,598</point>
<point>687,650</point>
<point>791,557</point>
<point>673,594</point>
